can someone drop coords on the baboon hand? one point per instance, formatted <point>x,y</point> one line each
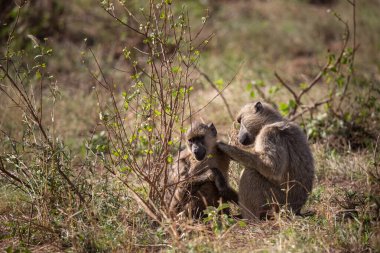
<point>227,193</point>
<point>202,176</point>
<point>220,181</point>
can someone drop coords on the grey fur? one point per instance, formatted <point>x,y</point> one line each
<point>193,183</point>
<point>279,166</point>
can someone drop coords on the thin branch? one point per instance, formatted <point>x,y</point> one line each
<point>125,24</point>
<point>296,98</point>
<point>262,94</point>
<point>286,86</point>
<point>207,78</point>
<point>314,81</point>
<point>354,47</point>
<point>10,175</point>
<point>218,94</point>
<point>310,108</point>
<point>375,152</point>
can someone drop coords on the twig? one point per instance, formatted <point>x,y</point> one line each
<point>287,87</point>
<point>262,94</point>
<point>125,24</point>
<point>315,80</point>
<point>375,152</point>
<point>218,94</point>
<point>7,173</point>
<point>354,47</point>
<point>296,98</point>
<point>207,78</point>
<point>309,108</point>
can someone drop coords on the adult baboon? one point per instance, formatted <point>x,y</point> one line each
<point>279,168</point>
<point>199,175</point>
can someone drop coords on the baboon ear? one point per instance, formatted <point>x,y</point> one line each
<point>213,129</point>
<point>258,106</point>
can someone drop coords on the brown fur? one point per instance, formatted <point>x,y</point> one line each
<point>193,187</point>
<point>279,167</point>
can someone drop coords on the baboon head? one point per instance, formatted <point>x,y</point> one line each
<point>252,117</point>
<point>201,139</point>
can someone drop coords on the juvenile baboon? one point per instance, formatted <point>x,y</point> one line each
<point>279,168</point>
<point>199,175</point>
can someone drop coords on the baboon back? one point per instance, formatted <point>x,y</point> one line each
<point>279,167</point>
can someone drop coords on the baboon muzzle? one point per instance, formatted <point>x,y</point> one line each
<point>199,153</point>
<point>244,139</point>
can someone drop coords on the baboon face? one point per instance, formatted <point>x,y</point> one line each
<point>201,139</point>
<point>252,117</point>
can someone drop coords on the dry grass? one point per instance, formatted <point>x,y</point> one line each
<point>266,36</point>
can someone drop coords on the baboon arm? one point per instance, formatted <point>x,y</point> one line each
<point>225,191</point>
<point>266,163</point>
<point>243,157</point>
<point>188,186</point>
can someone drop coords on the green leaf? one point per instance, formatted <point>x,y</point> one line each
<point>333,69</point>
<point>127,53</point>
<point>124,169</point>
<point>284,108</point>
<point>162,15</point>
<point>340,81</point>
<point>241,223</point>
<point>157,113</point>
<point>38,75</point>
<point>303,85</point>
<point>249,86</point>
<point>292,104</point>
<point>219,83</point>
<point>273,90</point>
<point>260,83</point>
<point>116,153</point>
<point>223,206</point>
<point>169,159</point>
<point>176,69</point>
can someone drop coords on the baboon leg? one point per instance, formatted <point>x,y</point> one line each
<point>207,195</point>
<point>258,196</point>
<point>226,192</point>
<point>188,188</point>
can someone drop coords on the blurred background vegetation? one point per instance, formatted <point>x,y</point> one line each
<point>253,39</point>
<point>250,41</point>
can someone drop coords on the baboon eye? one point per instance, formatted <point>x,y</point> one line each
<point>196,139</point>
